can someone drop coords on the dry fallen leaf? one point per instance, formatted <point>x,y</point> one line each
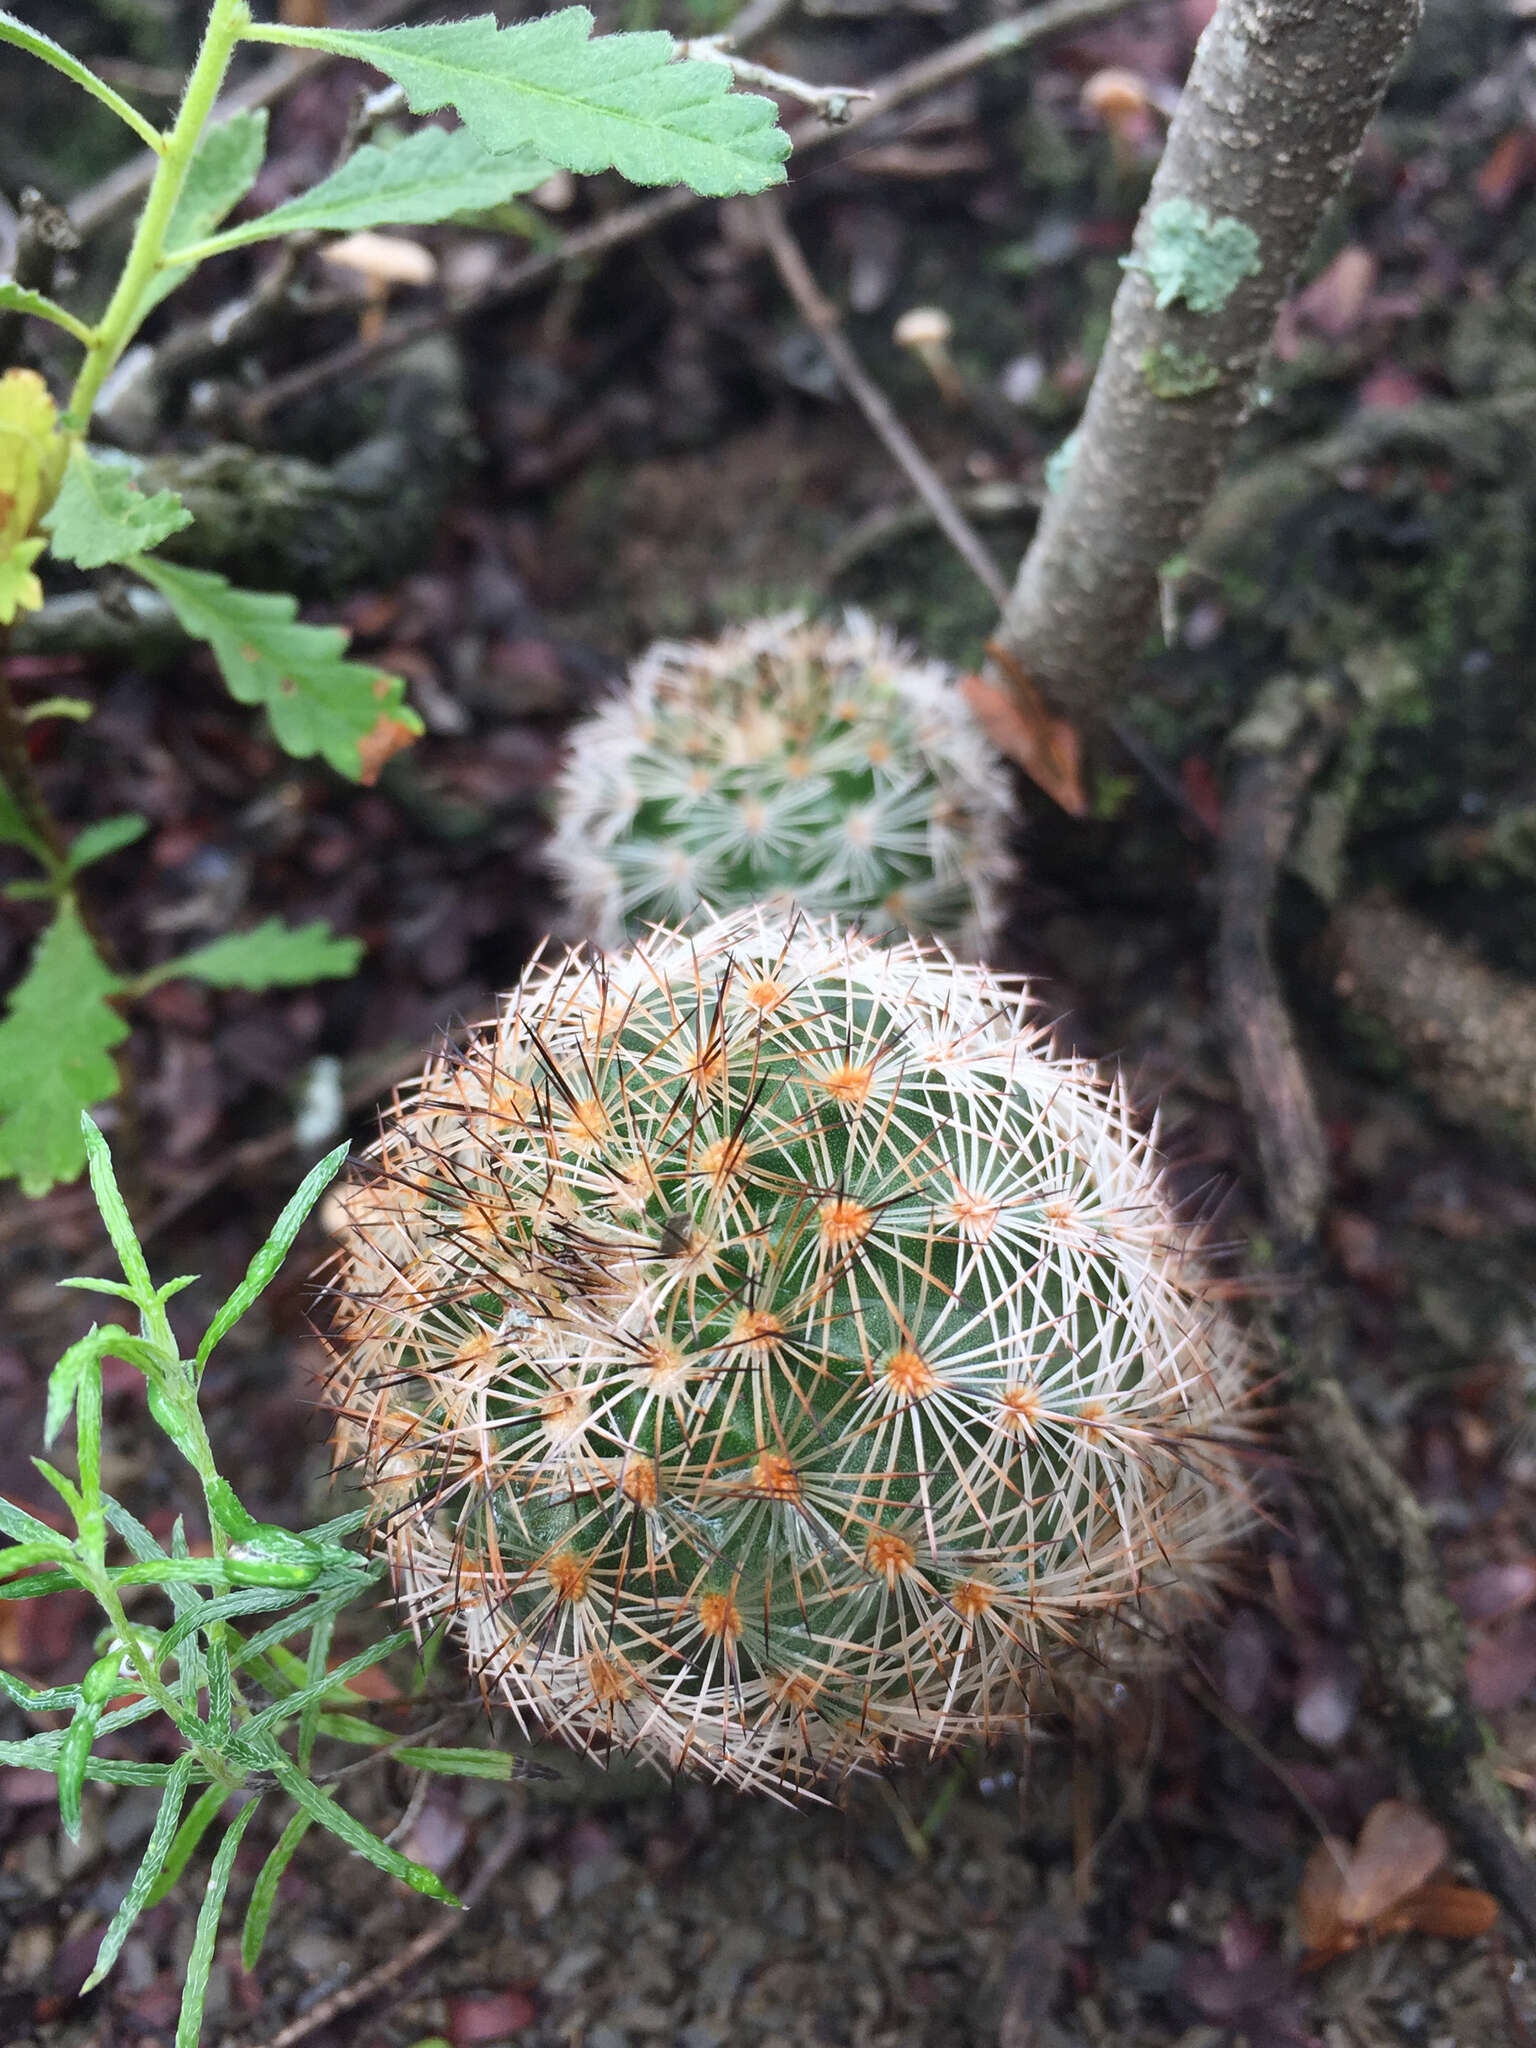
<point>1381,1886</point>
<point>1019,723</point>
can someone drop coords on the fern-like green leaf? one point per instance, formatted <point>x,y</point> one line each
<point>616,102</point>
<point>431,175</point>
<point>55,1055</point>
<point>101,515</point>
<point>270,955</point>
<point>318,703</point>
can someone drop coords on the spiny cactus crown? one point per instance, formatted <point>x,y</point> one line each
<point>808,764</point>
<point>763,1352</point>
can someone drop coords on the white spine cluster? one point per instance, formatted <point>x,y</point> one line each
<point>764,1354</point>
<point>794,763</point>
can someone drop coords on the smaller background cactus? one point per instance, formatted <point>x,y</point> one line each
<point>765,1355</point>
<point>792,762</point>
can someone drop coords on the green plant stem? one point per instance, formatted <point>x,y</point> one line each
<point>21,779</point>
<point>149,1677</point>
<point>227,22</point>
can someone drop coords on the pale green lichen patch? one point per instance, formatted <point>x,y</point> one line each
<point>1195,255</point>
<point>1172,372</point>
<point>1058,464</point>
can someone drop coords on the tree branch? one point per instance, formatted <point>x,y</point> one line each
<point>1268,125</point>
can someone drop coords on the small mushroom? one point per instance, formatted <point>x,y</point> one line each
<point>381,261</point>
<point>1125,104</point>
<point>926,331</point>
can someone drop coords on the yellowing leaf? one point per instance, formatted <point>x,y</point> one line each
<point>32,454</point>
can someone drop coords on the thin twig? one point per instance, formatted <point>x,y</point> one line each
<point>832,103</point>
<point>821,316</point>
<point>628,223</point>
<point>508,1841</point>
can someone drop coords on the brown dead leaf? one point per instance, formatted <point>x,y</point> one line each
<point>1019,723</point>
<point>384,739</point>
<point>1317,1900</point>
<point>304,13</point>
<point>1336,299</point>
<point>1455,1912</point>
<point>1399,1849</point>
<point>1507,169</point>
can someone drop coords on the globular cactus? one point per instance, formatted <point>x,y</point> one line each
<point>810,764</point>
<point>765,1356</point>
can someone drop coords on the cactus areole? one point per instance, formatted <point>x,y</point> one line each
<point>817,765</point>
<point>765,1356</point>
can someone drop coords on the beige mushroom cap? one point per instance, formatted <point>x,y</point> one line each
<point>382,259</point>
<point>923,327</point>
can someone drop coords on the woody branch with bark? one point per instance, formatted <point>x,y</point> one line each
<point>1272,117</point>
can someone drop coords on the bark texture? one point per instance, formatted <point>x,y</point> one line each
<point>1467,1033</point>
<point>1278,100</point>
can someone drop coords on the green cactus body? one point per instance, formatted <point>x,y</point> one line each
<point>764,1354</point>
<point>807,764</point>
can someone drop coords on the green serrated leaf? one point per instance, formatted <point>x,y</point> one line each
<point>264,1891</point>
<point>189,2023</point>
<point>270,955</point>
<point>318,703</point>
<point>430,176</point>
<point>101,515</point>
<point>55,1046</point>
<point>17,298</point>
<point>36,44</point>
<point>266,1262</point>
<point>222,172</point>
<point>615,102</point>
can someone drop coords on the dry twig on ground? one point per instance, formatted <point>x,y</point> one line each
<point>1411,1631</point>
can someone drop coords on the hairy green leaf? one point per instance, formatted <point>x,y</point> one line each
<point>461,1763</point>
<point>36,44</point>
<point>264,1891</point>
<point>270,955</point>
<point>318,703</point>
<point>114,1213</point>
<point>17,298</point>
<point>322,1808</point>
<point>101,515</point>
<point>189,2023</point>
<point>266,1262</point>
<point>200,1818</point>
<point>616,102</point>
<point>55,1055</point>
<point>222,172</point>
<point>73,1755</point>
<point>429,176</point>
<point>137,1895</point>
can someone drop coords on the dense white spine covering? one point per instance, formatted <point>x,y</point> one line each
<point>789,762</point>
<point>765,1354</point>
